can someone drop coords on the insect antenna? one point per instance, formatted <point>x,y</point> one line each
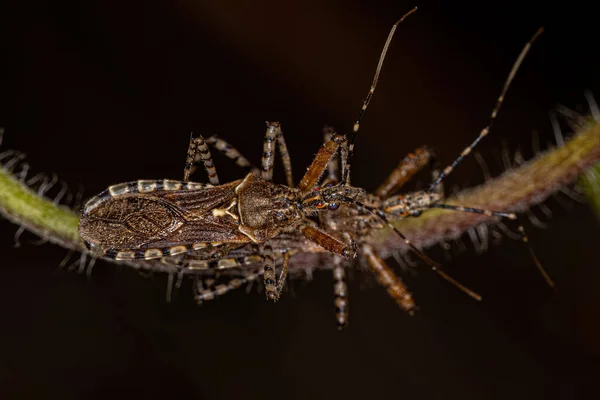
<point>434,266</point>
<point>356,126</point>
<point>499,101</point>
<point>489,213</point>
<point>538,264</point>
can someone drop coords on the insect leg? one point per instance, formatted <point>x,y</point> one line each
<point>283,274</point>
<point>269,278</point>
<point>268,157</point>
<point>328,242</point>
<point>340,291</point>
<point>285,159</point>
<point>321,161</point>
<point>333,167</point>
<point>389,280</point>
<point>273,134</point>
<point>198,150</point>
<point>211,293</point>
<point>231,152</point>
<point>408,167</point>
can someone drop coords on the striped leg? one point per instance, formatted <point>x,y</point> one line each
<point>340,291</point>
<point>231,152</point>
<point>211,292</point>
<point>198,150</point>
<point>273,134</point>
<point>388,279</point>
<point>285,160</point>
<point>273,287</point>
<point>408,167</point>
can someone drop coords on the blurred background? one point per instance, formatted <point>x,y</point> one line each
<point>101,92</point>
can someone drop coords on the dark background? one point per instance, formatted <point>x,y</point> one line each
<point>101,92</point>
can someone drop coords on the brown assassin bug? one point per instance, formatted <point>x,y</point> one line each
<point>147,220</point>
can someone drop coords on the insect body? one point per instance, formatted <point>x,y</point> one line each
<point>148,220</point>
<point>145,220</point>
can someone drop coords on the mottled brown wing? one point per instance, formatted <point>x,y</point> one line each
<point>162,219</point>
<point>213,231</point>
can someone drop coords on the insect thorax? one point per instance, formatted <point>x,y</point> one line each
<point>265,209</point>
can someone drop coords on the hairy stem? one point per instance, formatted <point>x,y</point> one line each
<point>38,214</point>
<point>515,190</point>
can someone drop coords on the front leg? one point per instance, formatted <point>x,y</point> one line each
<point>328,242</point>
<point>408,167</point>
<point>321,161</point>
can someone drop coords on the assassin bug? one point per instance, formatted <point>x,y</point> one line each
<point>145,220</point>
<point>148,220</point>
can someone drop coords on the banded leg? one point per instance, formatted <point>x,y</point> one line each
<point>198,150</point>
<point>273,287</point>
<point>285,160</point>
<point>273,134</point>
<point>231,152</point>
<point>212,292</point>
<point>484,132</point>
<point>328,242</point>
<point>389,280</point>
<point>408,167</point>
<point>340,291</point>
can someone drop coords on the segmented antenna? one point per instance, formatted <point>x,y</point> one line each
<point>493,115</point>
<point>367,100</point>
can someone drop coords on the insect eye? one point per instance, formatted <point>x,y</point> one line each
<point>333,206</point>
<point>320,205</point>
